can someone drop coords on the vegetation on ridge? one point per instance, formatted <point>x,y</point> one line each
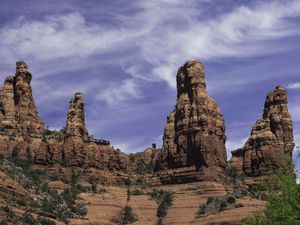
<point>62,205</point>
<point>283,199</point>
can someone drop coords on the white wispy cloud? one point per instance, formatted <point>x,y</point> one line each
<point>148,44</point>
<point>294,108</point>
<point>113,94</point>
<point>158,39</point>
<point>295,85</point>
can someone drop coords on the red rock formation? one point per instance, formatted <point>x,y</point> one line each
<point>271,136</point>
<point>75,120</point>
<point>81,150</point>
<point>76,135</point>
<point>195,131</point>
<point>7,106</point>
<point>28,120</point>
<point>21,126</point>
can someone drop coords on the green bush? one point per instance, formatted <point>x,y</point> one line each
<point>223,206</point>
<point>140,167</point>
<point>160,221</point>
<point>283,198</point>
<point>230,200</point>
<point>202,209</point>
<point>45,221</point>
<point>127,182</point>
<point>15,152</point>
<point>239,205</point>
<point>28,219</point>
<point>209,200</point>
<point>94,188</point>
<point>128,216</point>
<point>164,205</point>
<point>101,191</point>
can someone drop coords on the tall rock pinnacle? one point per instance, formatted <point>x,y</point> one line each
<point>75,119</point>
<point>271,135</point>
<point>18,110</point>
<point>26,111</point>
<point>195,131</point>
<point>76,135</point>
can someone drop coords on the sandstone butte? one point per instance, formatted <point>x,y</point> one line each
<point>191,164</point>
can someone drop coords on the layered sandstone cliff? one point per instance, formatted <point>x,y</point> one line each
<point>194,135</point>
<point>22,130</point>
<point>271,137</point>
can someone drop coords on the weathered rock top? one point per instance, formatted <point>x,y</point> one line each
<point>271,135</point>
<point>195,131</point>
<point>75,119</point>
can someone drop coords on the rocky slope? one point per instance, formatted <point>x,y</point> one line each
<point>271,137</point>
<point>67,175</point>
<point>194,135</point>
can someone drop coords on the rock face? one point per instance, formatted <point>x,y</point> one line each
<point>20,125</point>
<point>271,136</point>
<point>21,128</point>
<point>195,132</point>
<point>27,117</point>
<point>18,110</point>
<point>76,135</point>
<point>75,120</point>
<point>7,106</point>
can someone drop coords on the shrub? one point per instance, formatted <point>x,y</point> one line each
<point>28,219</point>
<point>15,152</point>
<point>209,200</point>
<point>101,190</point>
<point>239,205</point>
<point>94,188</point>
<point>127,182</point>
<point>128,216</point>
<point>283,198</point>
<point>73,178</point>
<point>159,221</point>
<point>128,194</point>
<point>202,209</point>
<point>6,209</point>
<point>140,167</point>
<point>164,205</point>
<point>45,221</point>
<point>230,200</point>
<point>29,156</point>
<point>223,206</point>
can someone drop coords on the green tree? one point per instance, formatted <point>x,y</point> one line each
<point>283,199</point>
<point>140,167</point>
<point>15,152</point>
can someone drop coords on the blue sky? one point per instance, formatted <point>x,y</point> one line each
<point>123,55</point>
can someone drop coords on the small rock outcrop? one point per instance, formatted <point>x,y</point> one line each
<point>271,137</point>
<point>195,131</point>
